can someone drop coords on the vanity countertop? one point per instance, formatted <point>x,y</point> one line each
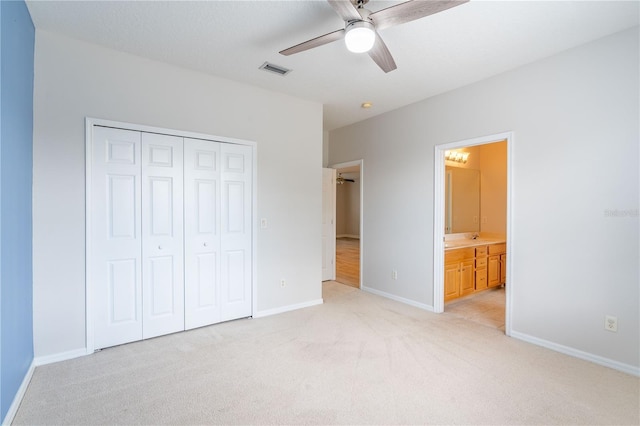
<point>467,242</point>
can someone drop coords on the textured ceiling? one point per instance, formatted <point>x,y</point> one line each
<point>231,39</point>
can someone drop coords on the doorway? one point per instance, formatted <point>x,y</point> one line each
<point>475,298</point>
<point>349,216</point>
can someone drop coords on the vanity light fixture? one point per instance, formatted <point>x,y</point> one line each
<point>457,156</point>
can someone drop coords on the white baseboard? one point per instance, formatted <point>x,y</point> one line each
<point>17,399</point>
<point>399,299</point>
<point>287,308</point>
<point>606,362</point>
<point>63,356</point>
<point>357,237</point>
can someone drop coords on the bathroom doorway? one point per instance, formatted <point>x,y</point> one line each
<point>471,242</point>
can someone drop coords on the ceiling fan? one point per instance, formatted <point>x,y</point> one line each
<point>340,180</point>
<point>361,26</point>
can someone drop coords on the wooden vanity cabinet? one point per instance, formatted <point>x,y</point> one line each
<point>481,268</point>
<point>471,269</point>
<point>458,273</point>
<point>497,268</point>
<point>503,268</point>
<point>466,277</point>
<point>451,280</point>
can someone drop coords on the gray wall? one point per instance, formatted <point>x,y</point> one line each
<point>575,245</point>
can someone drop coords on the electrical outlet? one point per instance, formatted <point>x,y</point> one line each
<point>611,323</point>
<point>394,274</point>
<point>283,283</point>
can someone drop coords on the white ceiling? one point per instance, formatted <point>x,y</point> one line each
<point>231,39</point>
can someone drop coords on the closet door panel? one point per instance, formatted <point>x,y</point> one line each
<point>116,245</point>
<point>202,232</point>
<point>235,276</point>
<point>236,242</point>
<point>162,234</point>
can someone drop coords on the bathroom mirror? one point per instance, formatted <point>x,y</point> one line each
<point>462,200</point>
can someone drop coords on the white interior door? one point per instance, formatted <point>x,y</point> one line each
<point>202,232</point>
<point>236,231</point>
<point>116,243</point>
<point>328,224</point>
<point>162,235</point>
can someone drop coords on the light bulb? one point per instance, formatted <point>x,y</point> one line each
<point>360,36</point>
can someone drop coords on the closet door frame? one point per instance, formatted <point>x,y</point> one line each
<point>90,123</point>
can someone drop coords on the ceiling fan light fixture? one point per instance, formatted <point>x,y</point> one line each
<point>360,36</point>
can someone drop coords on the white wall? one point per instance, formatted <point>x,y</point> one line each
<point>575,157</point>
<point>75,79</point>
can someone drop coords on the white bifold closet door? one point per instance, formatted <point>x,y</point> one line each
<point>162,235</point>
<point>202,232</point>
<point>116,236</point>
<point>218,179</point>
<point>171,234</point>
<point>236,231</point>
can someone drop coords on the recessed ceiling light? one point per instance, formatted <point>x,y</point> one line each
<point>366,105</point>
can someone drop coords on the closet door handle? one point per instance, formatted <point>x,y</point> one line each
<point>205,244</point>
<point>159,247</point>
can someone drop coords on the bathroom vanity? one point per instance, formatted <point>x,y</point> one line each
<point>473,265</point>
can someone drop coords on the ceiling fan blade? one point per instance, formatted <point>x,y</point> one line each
<point>314,42</point>
<point>410,11</point>
<point>381,55</point>
<point>345,9</point>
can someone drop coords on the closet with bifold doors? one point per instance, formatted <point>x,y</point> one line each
<point>170,236</point>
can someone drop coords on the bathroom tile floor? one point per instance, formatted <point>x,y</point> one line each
<point>486,308</point>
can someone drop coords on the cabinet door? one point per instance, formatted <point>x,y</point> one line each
<point>481,279</point>
<point>236,231</point>
<point>466,277</point>
<point>162,235</point>
<point>451,280</point>
<point>503,268</point>
<point>202,232</point>
<point>493,271</point>
<point>115,242</point>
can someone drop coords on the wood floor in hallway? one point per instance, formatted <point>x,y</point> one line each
<point>348,261</point>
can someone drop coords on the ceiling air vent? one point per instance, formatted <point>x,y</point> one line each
<point>277,69</point>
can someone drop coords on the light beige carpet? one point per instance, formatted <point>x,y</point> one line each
<point>356,359</point>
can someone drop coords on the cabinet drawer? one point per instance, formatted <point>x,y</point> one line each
<point>458,254</point>
<point>481,251</point>
<point>497,248</point>
<point>481,262</point>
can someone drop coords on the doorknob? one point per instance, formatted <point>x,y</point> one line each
<point>205,244</point>
<point>159,247</point>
